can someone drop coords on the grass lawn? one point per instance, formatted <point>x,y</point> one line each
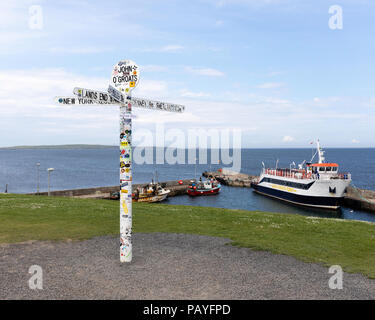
<point>350,244</point>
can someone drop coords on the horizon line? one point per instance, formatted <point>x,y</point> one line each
<point>197,148</point>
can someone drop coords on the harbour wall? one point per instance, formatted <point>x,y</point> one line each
<point>105,192</point>
<point>231,178</point>
<point>354,198</point>
<point>359,199</point>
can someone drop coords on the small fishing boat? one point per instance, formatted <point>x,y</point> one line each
<point>204,188</point>
<point>153,192</point>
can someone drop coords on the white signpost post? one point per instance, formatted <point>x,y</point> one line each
<point>125,77</point>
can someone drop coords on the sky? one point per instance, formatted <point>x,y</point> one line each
<point>273,69</point>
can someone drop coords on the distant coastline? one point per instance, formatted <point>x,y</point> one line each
<point>62,146</point>
<point>102,146</point>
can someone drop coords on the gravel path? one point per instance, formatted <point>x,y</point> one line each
<point>167,266</point>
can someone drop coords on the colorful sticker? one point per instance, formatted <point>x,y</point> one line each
<point>124,206</point>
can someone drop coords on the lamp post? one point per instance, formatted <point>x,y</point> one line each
<point>49,171</point>
<point>37,170</point>
<point>195,170</point>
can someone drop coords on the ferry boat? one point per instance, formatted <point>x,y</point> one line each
<point>204,188</point>
<point>312,184</point>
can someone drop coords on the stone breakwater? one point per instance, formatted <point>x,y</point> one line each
<point>355,198</point>
<point>105,192</point>
<point>231,178</point>
<point>360,199</point>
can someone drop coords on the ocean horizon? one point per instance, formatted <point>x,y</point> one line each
<point>78,145</point>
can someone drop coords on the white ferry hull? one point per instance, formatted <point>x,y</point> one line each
<point>327,194</point>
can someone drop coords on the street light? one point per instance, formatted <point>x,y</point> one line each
<point>37,185</point>
<point>49,171</point>
<point>195,169</point>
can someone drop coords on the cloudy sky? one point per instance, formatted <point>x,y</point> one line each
<point>272,68</point>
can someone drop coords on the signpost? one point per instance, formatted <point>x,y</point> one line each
<point>124,78</point>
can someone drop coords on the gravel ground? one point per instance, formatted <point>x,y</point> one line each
<point>167,266</point>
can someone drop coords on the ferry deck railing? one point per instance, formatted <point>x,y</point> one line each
<point>303,174</point>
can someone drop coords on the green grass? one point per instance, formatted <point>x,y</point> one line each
<point>350,244</point>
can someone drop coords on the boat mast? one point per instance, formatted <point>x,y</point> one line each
<point>320,152</point>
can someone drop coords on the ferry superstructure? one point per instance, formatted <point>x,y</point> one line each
<point>312,184</point>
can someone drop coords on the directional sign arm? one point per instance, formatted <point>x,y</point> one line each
<point>94,95</point>
<point>74,100</point>
<point>143,103</point>
<point>157,105</point>
<point>116,97</point>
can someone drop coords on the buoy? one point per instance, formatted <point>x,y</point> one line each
<point>180,182</point>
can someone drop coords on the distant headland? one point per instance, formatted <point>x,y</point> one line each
<point>63,146</point>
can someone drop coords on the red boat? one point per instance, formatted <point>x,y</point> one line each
<point>206,188</point>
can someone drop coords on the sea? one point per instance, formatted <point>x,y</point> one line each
<point>84,167</point>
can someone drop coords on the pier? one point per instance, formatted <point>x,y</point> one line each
<point>105,192</point>
<point>231,178</point>
<point>360,199</point>
<point>354,198</point>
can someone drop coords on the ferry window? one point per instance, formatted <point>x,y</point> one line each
<point>328,169</point>
<point>334,169</point>
<point>321,169</point>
